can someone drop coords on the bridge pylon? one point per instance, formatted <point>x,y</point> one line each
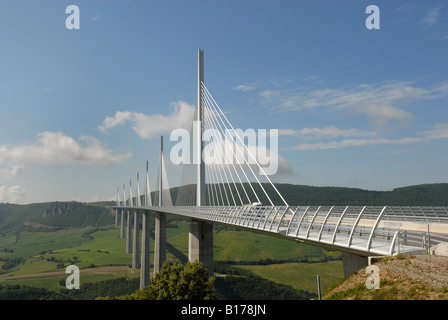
<point>200,240</point>
<point>160,220</point>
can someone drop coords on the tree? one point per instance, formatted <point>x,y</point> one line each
<point>178,282</point>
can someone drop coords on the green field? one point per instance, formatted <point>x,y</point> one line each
<point>100,254</point>
<point>302,276</point>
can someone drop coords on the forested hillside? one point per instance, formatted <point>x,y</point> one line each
<point>418,195</point>
<point>53,214</point>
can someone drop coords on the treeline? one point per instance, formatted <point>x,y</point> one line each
<point>419,195</point>
<point>87,291</point>
<point>269,261</point>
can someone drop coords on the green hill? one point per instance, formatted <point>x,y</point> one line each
<point>53,214</point>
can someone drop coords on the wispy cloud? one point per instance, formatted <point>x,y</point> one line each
<point>150,126</point>
<point>355,143</point>
<point>12,171</point>
<point>381,102</point>
<point>273,82</point>
<point>245,87</point>
<point>431,17</point>
<point>327,132</point>
<point>438,131</point>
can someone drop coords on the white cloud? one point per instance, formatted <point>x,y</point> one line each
<point>379,101</point>
<point>150,126</point>
<point>11,194</point>
<point>58,148</point>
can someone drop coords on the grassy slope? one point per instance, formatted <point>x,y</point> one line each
<point>399,278</point>
<point>301,276</point>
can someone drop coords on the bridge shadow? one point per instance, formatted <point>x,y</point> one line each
<point>173,250</point>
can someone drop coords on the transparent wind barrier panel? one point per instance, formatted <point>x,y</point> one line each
<point>360,236</point>
<point>365,225</point>
<point>265,219</point>
<point>274,223</point>
<point>286,218</point>
<point>295,219</point>
<point>345,225</point>
<point>332,219</point>
<point>317,220</point>
<point>305,221</point>
<point>382,239</point>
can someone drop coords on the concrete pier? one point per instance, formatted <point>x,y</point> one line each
<point>128,232</point>
<point>353,263</point>
<point>122,224</point>
<point>159,242</point>
<point>145,256</point>
<point>135,243</point>
<point>200,244</point>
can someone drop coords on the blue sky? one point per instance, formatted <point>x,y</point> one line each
<point>82,110</point>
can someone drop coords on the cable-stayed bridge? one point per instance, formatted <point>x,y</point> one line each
<point>223,182</point>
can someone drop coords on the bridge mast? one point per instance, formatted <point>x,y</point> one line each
<point>200,244</point>
<point>200,191</point>
<point>160,222</point>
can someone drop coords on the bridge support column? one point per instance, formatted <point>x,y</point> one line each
<point>128,232</point>
<point>160,242</point>
<point>353,263</point>
<point>122,224</point>
<point>145,262</point>
<point>135,243</point>
<point>200,244</point>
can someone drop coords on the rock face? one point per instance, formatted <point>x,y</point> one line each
<point>58,208</point>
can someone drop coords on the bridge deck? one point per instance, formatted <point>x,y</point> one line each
<point>360,230</point>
